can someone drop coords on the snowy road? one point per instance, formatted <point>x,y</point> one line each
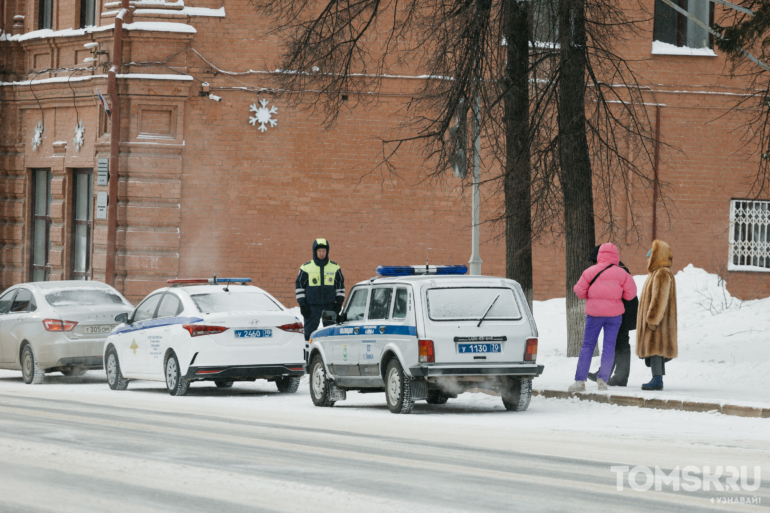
<point>71,444</point>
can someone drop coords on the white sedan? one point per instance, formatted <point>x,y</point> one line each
<point>208,330</point>
<point>49,326</point>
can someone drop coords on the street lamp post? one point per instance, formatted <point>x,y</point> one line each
<point>475,261</point>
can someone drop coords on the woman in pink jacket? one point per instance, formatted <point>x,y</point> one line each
<point>603,285</point>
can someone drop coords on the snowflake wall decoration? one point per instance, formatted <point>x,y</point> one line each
<point>80,130</point>
<point>37,136</point>
<point>263,115</point>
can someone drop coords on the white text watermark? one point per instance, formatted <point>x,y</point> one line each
<point>689,479</point>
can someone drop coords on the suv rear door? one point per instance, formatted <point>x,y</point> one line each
<point>452,317</point>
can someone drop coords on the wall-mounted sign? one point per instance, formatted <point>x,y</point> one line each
<point>103,172</point>
<point>101,205</point>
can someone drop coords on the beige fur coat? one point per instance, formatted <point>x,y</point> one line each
<point>656,322</point>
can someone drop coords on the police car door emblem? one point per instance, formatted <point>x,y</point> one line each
<point>134,346</point>
<point>382,329</point>
<point>355,331</point>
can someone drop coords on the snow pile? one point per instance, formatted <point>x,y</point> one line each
<point>724,346</point>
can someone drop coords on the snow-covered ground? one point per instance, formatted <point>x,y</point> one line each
<point>724,347</point>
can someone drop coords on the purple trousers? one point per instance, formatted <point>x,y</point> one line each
<point>594,325</point>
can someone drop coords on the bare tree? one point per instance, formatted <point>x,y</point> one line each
<point>743,33</point>
<point>550,106</point>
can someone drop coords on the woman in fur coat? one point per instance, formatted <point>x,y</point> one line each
<point>656,336</point>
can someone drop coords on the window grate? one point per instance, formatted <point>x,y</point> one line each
<point>749,236</point>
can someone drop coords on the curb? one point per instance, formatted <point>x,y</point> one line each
<point>658,404</point>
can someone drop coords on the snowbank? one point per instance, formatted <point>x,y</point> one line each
<point>724,346</point>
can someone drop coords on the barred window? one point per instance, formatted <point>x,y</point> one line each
<point>749,236</point>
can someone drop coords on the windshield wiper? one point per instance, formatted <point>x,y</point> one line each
<point>488,309</point>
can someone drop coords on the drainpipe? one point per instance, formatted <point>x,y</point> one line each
<point>655,178</point>
<point>112,91</point>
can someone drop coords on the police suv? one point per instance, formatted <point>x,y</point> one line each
<point>426,332</point>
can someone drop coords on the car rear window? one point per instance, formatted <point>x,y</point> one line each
<point>234,302</point>
<point>471,303</point>
<point>83,297</point>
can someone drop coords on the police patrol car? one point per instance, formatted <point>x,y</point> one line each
<point>212,329</point>
<point>426,332</point>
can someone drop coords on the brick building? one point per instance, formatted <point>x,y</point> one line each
<point>202,190</point>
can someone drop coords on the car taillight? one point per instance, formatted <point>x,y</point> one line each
<point>57,325</point>
<point>297,327</point>
<point>196,330</point>
<point>426,352</point>
<point>530,355</point>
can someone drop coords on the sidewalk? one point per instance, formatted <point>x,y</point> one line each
<point>641,401</point>
<point>723,362</point>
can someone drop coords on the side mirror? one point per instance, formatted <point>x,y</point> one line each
<point>329,317</point>
<point>122,318</point>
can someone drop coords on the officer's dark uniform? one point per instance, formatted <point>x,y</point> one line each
<point>320,286</point>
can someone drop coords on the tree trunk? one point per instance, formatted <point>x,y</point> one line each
<point>574,161</point>
<point>518,211</point>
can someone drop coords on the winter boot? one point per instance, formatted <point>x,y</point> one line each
<point>578,386</point>
<point>655,384</point>
<point>602,384</point>
<point>592,375</point>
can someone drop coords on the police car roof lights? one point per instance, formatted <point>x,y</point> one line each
<point>233,280</point>
<point>415,270</point>
<point>210,281</point>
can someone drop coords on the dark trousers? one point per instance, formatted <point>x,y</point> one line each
<point>658,366</point>
<point>622,365</point>
<point>312,321</point>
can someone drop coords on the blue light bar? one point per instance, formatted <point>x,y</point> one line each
<point>414,270</point>
<point>233,280</point>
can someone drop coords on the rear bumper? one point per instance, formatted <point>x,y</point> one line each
<point>424,371</point>
<point>245,373</point>
<point>88,362</point>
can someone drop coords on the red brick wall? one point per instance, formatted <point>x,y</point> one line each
<point>203,191</point>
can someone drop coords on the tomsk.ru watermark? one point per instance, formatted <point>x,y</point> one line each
<point>689,479</point>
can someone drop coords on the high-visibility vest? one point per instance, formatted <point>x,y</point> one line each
<point>314,274</point>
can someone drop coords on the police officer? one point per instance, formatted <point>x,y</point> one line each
<point>320,286</point>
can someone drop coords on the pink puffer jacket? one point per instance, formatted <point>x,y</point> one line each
<point>604,296</point>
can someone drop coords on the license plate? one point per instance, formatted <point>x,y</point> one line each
<point>100,329</point>
<point>253,333</point>
<point>479,348</point>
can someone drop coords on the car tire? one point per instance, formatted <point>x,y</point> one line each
<point>223,383</point>
<point>287,384</point>
<point>517,393</point>
<point>398,388</point>
<point>74,372</point>
<point>115,378</point>
<point>436,397</point>
<point>319,383</point>
<point>175,384</point>
<point>30,370</point>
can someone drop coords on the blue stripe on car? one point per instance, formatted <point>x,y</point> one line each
<point>336,331</point>
<point>156,323</point>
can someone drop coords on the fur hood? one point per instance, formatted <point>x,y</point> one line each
<point>661,256</point>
